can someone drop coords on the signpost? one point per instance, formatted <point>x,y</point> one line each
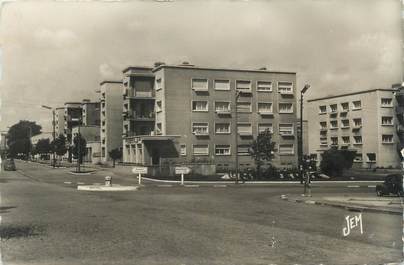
<point>182,171</point>
<point>139,171</point>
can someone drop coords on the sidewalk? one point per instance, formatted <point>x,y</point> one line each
<point>390,205</point>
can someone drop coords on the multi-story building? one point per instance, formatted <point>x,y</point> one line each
<point>399,94</point>
<point>90,113</point>
<point>186,114</point>
<point>361,121</point>
<point>72,118</point>
<point>60,121</point>
<point>111,117</point>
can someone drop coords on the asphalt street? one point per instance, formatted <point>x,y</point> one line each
<point>46,220</point>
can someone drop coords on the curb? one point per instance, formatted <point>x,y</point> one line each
<point>106,188</point>
<point>344,206</point>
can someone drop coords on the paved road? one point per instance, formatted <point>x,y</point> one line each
<point>46,221</point>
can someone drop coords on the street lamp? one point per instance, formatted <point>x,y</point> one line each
<point>237,95</point>
<point>304,90</point>
<point>53,133</point>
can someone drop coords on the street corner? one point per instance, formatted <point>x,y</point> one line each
<point>106,188</point>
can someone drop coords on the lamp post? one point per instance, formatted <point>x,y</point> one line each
<point>300,154</point>
<point>237,95</point>
<point>53,134</point>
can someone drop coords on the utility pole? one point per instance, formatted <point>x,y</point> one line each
<point>237,94</point>
<point>303,176</point>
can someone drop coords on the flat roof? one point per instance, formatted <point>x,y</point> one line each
<point>353,93</point>
<point>110,82</point>
<point>136,67</point>
<point>219,69</point>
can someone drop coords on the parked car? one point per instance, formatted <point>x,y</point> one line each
<point>392,185</point>
<point>9,165</point>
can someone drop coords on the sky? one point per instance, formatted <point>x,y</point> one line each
<point>53,52</point>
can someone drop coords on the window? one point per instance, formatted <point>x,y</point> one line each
<point>323,133</point>
<point>243,86</point>
<point>222,107</point>
<point>222,84</point>
<point>265,108</point>
<point>285,107</point>
<point>262,127</point>
<point>243,106</point>
<point>323,141</point>
<point>387,102</point>
<point>334,140</point>
<point>158,128</point>
<point>244,129</point>
<point>358,157</point>
<point>200,149</point>
<point>158,84</point>
<point>333,108</point>
<point>322,109</point>
<point>323,125</point>
<point>199,84</point>
<point>286,129</point>
<point>183,149</point>
<point>242,150</point>
<point>357,139</point>
<point>357,105</point>
<point>357,122</point>
<point>222,150</point>
<point>264,86</point>
<point>200,128</point>
<point>387,120</point>
<point>345,123</point>
<point>286,149</point>
<point>222,128</point>
<point>158,106</point>
<point>199,106</point>
<point>387,138</point>
<point>345,140</point>
<point>285,87</point>
<point>345,106</point>
<point>333,124</point>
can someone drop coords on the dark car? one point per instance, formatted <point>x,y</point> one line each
<point>393,185</point>
<point>9,165</point>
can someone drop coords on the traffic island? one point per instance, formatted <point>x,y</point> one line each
<point>114,187</point>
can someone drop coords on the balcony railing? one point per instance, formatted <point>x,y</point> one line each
<point>140,94</point>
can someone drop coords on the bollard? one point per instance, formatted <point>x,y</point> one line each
<point>108,181</point>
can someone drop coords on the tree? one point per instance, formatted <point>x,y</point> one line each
<point>79,148</point>
<point>43,147</point>
<point>115,154</point>
<point>334,161</point>
<point>18,138</point>
<point>59,145</point>
<point>262,149</point>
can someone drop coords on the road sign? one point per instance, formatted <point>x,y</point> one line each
<point>139,170</point>
<point>182,170</point>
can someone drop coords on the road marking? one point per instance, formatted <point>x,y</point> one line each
<point>219,186</point>
<point>80,183</point>
<point>165,186</point>
<point>371,186</point>
<point>191,186</point>
<point>67,182</point>
<point>353,186</point>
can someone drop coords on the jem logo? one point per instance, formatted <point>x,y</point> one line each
<point>351,223</point>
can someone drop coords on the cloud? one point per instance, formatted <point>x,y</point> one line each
<point>106,71</point>
<point>55,38</point>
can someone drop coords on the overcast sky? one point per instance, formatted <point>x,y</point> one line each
<point>53,52</point>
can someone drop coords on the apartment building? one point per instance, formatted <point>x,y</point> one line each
<point>90,113</point>
<point>186,114</point>
<point>362,121</point>
<point>111,117</point>
<point>60,121</point>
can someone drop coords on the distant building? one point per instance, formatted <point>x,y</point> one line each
<point>90,113</point>
<point>60,121</point>
<point>186,114</point>
<point>399,95</point>
<point>111,117</point>
<point>43,135</point>
<point>361,121</point>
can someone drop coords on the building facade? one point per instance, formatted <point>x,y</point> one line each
<point>187,114</point>
<point>91,133</point>
<point>60,121</point>
<point>361,121</point>
<point>111,117</point>
<point>90,113</point>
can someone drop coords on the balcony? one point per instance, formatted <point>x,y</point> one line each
<point>140,94</point>
<point>223,111</point>
<point>147,116</point>
<point>245,133</point>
